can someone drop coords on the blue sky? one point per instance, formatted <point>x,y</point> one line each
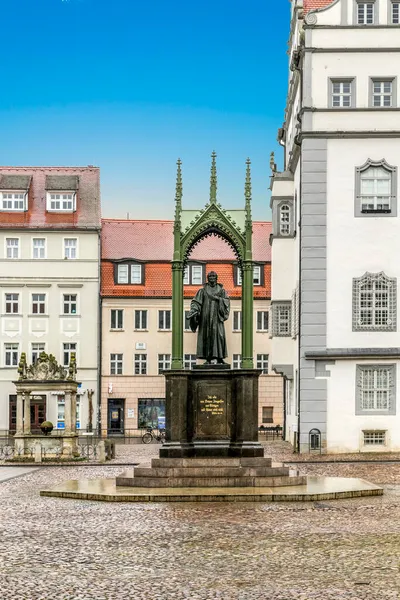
<point>131,85</point>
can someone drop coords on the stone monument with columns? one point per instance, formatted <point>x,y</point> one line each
<point>46,375</point>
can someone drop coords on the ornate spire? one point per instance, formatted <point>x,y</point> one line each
<point>178,192</point>
<point>213,179</point>
<point>247,191</point>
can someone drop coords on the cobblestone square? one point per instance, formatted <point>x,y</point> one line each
<point>77,550</point>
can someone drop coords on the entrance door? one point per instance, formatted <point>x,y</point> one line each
<point>115,422</point>
<point>38,412</point>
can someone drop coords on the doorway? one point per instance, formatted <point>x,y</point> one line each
<point>38,412</point>
<point>115,419</point>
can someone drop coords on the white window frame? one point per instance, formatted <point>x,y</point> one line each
<point>140,363</point>
<point>263,317</point>
<point>11,354</point>
<point>119,312</point>
<point>36,351</point>
<point>15,200</point>
<point>163,317</point>
<point>116,363</point>
<point>363,208</point>
<point>374,302</point>
<point>189,361</point>
<point>164,363</point>
<point>54,197</point>
<point>68,352</point>
<point>374,438</point>
<point>60,404</point>
<point>69,303</point>
<point>394,13</point>
<point>12,302</point>
<point>68,250</point>
<point>39,250</point>
<point>136,274</point>
<point>236,361</point>
<point>364,19</point>
<point>376,389</point>
<point>129,273</point>
<point>381,94</point>
<point>194,274</point>
<point>36,298</point>
<point>257,275</point>
<point>342,99</point>
<point>262,362</point>
<point>236,320</point>
<point>143,319</point>
<point>12,247</point>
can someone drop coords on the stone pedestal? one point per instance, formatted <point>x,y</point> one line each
<point>212,413</point>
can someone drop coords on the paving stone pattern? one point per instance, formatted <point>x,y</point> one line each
<point>75,550</point>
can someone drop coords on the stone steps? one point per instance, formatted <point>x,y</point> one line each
<point>210,482</point>
<point>211,462</point>
<point>213,472</point>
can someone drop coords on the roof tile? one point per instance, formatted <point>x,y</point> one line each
<point>315,4</point>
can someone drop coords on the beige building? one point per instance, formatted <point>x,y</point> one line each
<point>49,283</point>
<point>137,319</point>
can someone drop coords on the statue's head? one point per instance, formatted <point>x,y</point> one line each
<point>212,278</point>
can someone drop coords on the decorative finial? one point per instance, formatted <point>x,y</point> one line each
<point>213,179</point>
<point>272,163</point>
<point>247,191</point>
<point>178,191</point>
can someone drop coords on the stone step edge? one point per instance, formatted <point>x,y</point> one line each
<point>206,472</point>
<point>176,482</point>
<point>216,462</point>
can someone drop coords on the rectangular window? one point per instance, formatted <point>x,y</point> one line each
<point>382,93</point>
<point>69,348</point>
<point>197,274</point>
<point>140,319</point>
<point>237,320</point>
<point>151,413</point>
<point>262,363</point>
<point>38,304</point>
<point>11,355</point>
<point>374,438</point>
<point>61,201</point>
<point>376,389</point>
<point>39,248</point>
<point>12,304</point>
<point>37,348</point>
<point>70,248</point>
<point>374,303</point>
<point>60,412</point>
<point>13,201</point>
<point>140,364</point>
<point>256,275</point>
<point>117,318</point>
<point>187,321</point>
<point>164,319</point>
<point>70,304</point>
<point>136,274</point>
<point>12,247</point>
<point>116,361</point>
<point>341,93</point>
<point>282,319</point>
<point>123,274</point>
<point>186,275</point>
<point>237,361</point>
<point>267,414</point>
<point>365,13</point>
<point>164,362</point>
<point>190,361</point>
<point>262,320</point>
<point>395,13</point>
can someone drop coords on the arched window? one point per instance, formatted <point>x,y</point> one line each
<point>284,219</point>
<point>374,303</point>
<point>376,189</point>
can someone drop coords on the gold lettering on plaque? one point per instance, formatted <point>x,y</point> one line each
<point>212,405</point>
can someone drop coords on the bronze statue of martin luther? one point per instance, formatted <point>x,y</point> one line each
<point>209,310</point>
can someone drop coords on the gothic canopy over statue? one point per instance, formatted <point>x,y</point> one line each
<point>46,368</point>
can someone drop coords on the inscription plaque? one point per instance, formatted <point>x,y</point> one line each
<point>212,408</point>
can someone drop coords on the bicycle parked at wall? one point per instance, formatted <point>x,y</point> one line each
<point>151,436</point>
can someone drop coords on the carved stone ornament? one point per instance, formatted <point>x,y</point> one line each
<point>46,368</point>
<point>311,18</point>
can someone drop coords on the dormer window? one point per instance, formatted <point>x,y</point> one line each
<point>61,201</point>
<point>129,274</point>
<point>194,274</point>
<point>14,201</point>
<point>257,275</point>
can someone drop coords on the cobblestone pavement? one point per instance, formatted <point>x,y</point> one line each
<point>75,550</point>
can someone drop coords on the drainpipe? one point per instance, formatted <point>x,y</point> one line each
<point>284,407</point>
<point>99,340</point>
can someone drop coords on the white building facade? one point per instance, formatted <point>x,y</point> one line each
<point>335,228</point>
<point>49,284</point>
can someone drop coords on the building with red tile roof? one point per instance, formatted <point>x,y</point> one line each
<point>136,295</point>
<point>315,4</point>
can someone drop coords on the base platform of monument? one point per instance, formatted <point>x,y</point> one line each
<point>313,489</point>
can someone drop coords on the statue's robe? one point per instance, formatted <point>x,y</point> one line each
<point>208,310</point>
